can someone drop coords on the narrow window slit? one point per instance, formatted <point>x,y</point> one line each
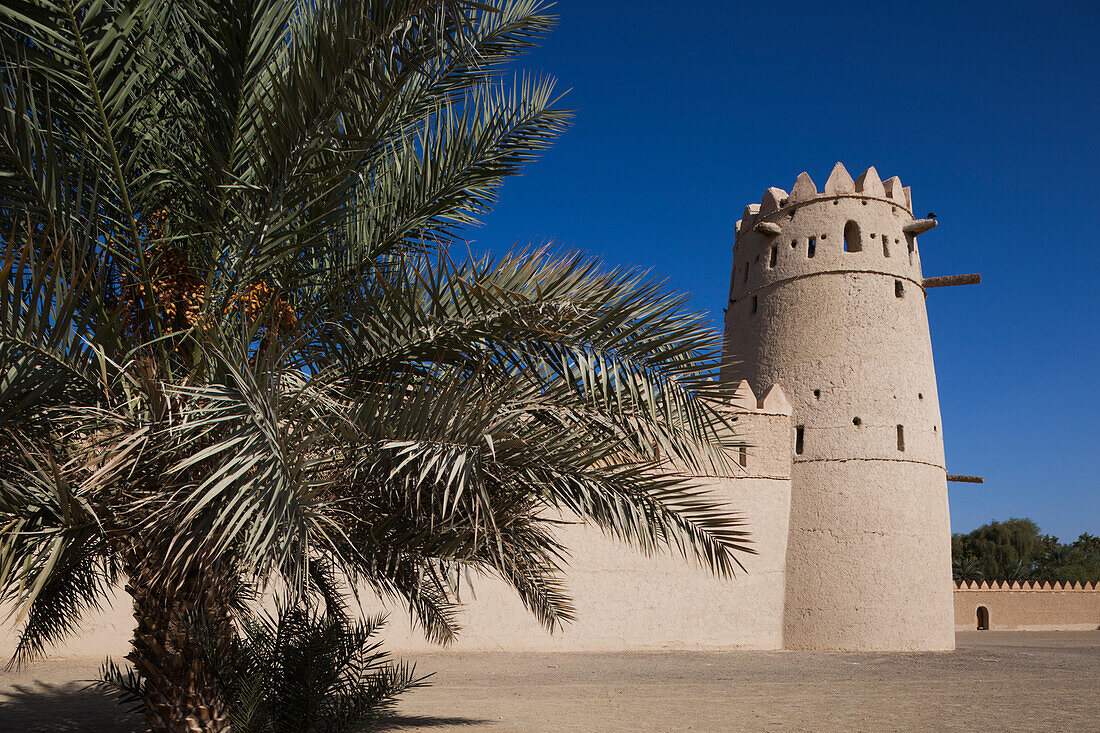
<point>899,289</point>
<point>743,456</point>
<point>754,304</point>
<point>901,438</point>
<point>885,246</point>
<point>775,255</point>
<point>811,248</point>
<point>799,439</point>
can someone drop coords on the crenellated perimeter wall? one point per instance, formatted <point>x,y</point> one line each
<point>1027,606</point>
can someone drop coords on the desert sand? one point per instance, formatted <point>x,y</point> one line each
<point>1033,681</point>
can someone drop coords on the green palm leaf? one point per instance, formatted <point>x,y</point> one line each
<point>235,348</point>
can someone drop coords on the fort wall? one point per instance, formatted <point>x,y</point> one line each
<point>626,601</point>
<point>1003,606</point>
<point>843,485</point>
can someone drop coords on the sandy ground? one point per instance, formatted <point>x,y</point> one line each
<point>1048,681</point>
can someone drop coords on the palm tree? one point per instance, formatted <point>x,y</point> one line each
<point>234,348</point>
<point>966,567</point>
<point>295,670</point>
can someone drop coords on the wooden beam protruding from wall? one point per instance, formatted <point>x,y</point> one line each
<point>947,281</point>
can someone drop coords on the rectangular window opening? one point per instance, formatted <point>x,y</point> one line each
<point>775,255</point>
<point>852,241</point>
<point>743,456</point>
<point>885,246</point>
<point>901,438</point>
<point>799,439</point>
<point>899,289</point>
<point>754,304</point>
<point>811,248</point>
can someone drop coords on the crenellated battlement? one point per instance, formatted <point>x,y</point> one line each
<point>963,585</point>
<point>764,423</point>
<point>774,402</point>
<point>839,185</point>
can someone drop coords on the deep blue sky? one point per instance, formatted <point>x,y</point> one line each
<point>687,111</point>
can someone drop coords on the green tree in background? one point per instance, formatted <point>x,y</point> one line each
<point>235,349</point>
<point>1017,550</point>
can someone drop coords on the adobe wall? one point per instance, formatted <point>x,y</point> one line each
<point>624,600</point>
<point>1028,606</point>
<point>103,633</point>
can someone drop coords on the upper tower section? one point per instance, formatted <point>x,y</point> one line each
<point>861,225</point>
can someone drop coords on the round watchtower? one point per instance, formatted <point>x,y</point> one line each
<point>827,300</point>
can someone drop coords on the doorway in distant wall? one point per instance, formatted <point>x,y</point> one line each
<point>983,618</point>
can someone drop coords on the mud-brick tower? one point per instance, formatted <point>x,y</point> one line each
<point>827,300</point>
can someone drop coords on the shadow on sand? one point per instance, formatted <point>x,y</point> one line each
<point>420,722</point>
<point>42,707</point>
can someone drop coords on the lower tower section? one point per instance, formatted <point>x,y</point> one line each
<point>827,300</point>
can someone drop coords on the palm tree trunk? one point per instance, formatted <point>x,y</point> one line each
<point>181,694</point>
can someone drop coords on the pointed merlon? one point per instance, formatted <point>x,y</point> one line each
<point>840,181</point>
<point>919,226</point>
<point>767,228</point>
<point>748,216</point>
<point>743,397</point>
<point>870,184</point>
<point>772,201</point>
<point>775,401</point>
<point>894,190</point>
<point>804,188</point>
